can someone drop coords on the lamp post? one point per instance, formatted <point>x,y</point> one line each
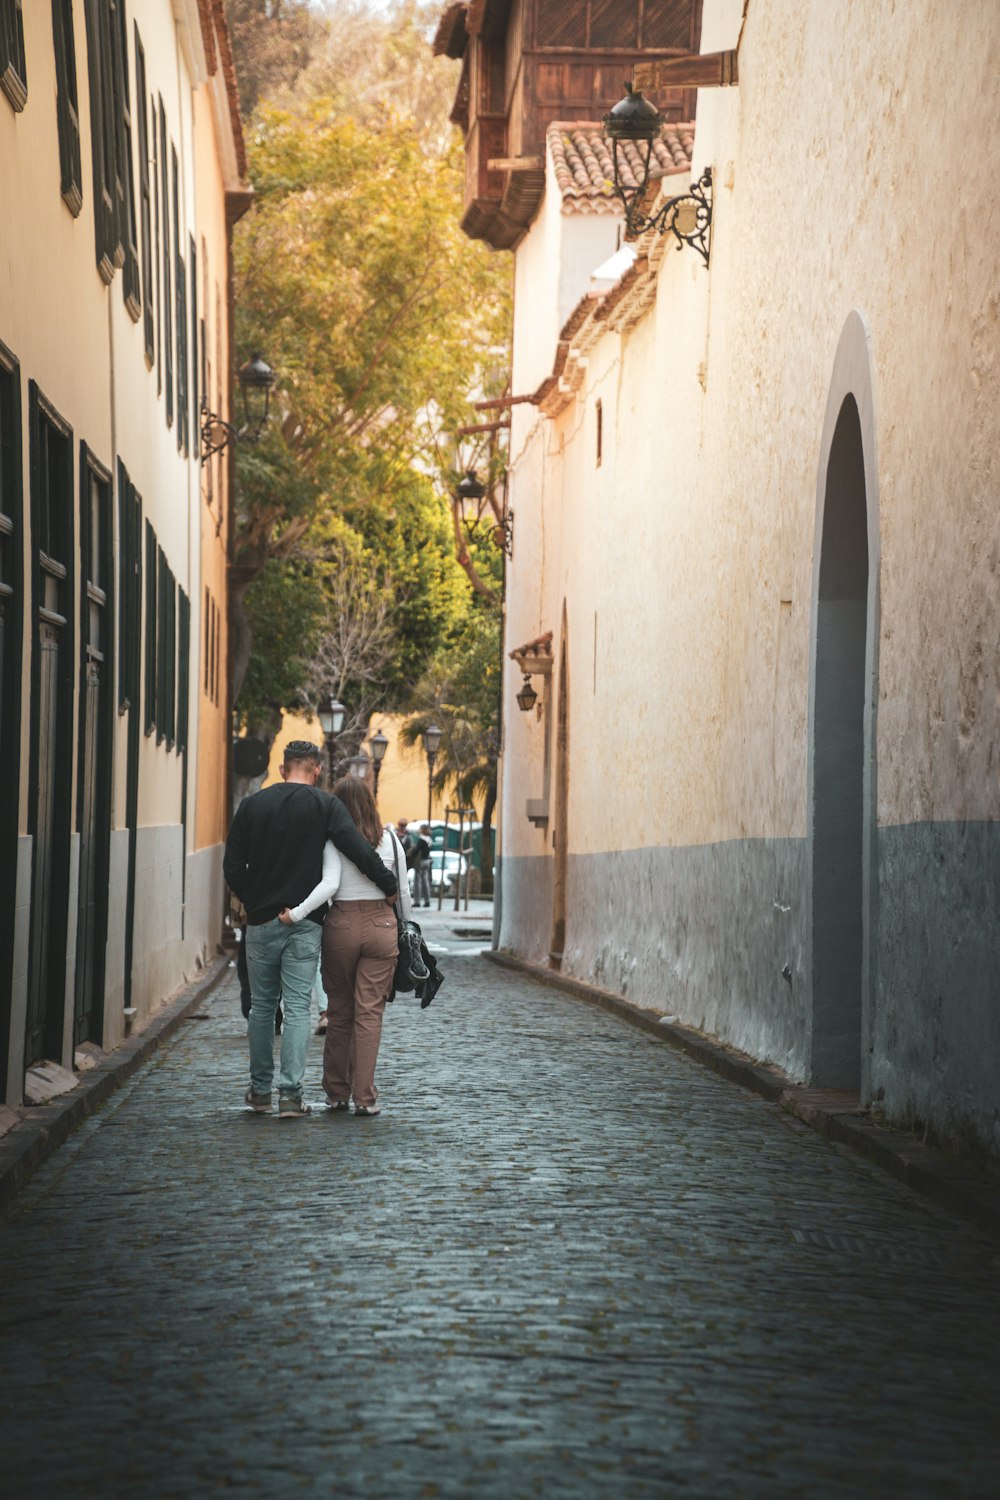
<point>432,744</point>
<point>358,766</point>
<point>379,743</point>
<point>331,720</point>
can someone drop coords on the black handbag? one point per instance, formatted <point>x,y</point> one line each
<point>411,970</point>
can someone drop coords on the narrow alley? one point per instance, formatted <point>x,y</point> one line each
<point>565,1261</point>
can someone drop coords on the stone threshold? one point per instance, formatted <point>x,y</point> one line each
<point>838,1116</point>
<point>41,1128</point>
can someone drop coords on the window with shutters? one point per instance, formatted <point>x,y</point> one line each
<point>129,592</point>
<point>102,146</point>
<point>157,257</point>
<point>13,69</point>
<point>672,24</point>
<point>12,601</point>
<point>183,668</point>
<point>609,24</point>
<point>111,147</point>
<point>212,654</point>
<point>151,622</point>
<point>145,225</point>
<point>180,291</point>
<point>67,106</point>
<point>168,331</point>
<point>206,615</point>
<point>196,384</point>
<point>124,166</point>
<point>613,23</point>
<point>11,594</point>
<point>166,652</point>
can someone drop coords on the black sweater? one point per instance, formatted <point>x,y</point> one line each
<point>274,853</point>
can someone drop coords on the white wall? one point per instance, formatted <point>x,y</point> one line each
<point>846,179</point>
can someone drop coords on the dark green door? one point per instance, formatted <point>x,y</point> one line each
<point>95,749</point>
<point>50,800</point>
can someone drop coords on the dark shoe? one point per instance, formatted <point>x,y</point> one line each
<point>259,1103</point>
<point>366,1111</point>
<point>291,1107</point>
<point>337,1106</point>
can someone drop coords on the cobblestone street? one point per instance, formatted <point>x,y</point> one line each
<point>564,1262</point>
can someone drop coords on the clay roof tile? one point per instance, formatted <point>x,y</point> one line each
<point>584,168</point>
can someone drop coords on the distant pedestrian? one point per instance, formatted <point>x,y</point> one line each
<point>422,868</point>
<point>408,842</point>
<point>359,959</point>
<point>274,858</point>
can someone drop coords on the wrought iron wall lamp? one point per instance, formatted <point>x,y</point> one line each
<point>688,217</point>
<point>470,490</point>
<point>527,697</point>
<point>256,380</point>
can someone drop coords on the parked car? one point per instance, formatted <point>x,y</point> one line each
<point>447,866</point>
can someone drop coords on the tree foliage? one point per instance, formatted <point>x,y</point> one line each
<point>380,318</point>
<point>272,42</point>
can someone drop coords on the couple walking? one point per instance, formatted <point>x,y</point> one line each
<point>291,849</point>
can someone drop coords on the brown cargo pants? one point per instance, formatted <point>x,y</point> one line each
<point>359,958</point>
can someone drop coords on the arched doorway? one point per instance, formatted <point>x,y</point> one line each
<point>560,809</point>
<point>842,723</point>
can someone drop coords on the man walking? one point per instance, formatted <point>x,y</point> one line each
<point>274,859</point>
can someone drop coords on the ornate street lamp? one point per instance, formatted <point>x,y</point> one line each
<point>470,487</point>
<point>635,122</point>
<point>256,380</point>
<point>331,718</point>
<point>432,744</point>
<point>358,766</point>
<point>380,744</point>
<point>470,490</point>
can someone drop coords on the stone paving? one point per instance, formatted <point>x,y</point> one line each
<point>564,1262</point>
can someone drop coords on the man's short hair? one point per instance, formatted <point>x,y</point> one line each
<point>299,750</point>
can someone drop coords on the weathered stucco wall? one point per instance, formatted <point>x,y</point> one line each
<point>686,559</point>
<point>75,337</point>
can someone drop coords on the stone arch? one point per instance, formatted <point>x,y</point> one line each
<point>843,697</point>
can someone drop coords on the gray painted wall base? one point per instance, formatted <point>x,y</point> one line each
<point>704,934</point>
<point>936,1026</point>
<point>699,933</point>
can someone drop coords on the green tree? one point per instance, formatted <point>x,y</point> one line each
<point>272,41</point>
<point>379,316</point>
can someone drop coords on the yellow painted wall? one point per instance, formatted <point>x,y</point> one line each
<point>402,788</point>
<point>210,635</point>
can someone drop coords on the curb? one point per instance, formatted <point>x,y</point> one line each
<point>839,1117</point>
<point>45,1126</point>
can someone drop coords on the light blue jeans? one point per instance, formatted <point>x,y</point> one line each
<point>281,963</point>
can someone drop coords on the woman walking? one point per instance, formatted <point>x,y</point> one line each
<point>359,959</point>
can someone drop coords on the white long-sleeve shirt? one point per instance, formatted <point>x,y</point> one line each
<point>343,879</point>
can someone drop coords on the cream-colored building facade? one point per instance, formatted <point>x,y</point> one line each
<point>122,171</point>
<point>755,575</point>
